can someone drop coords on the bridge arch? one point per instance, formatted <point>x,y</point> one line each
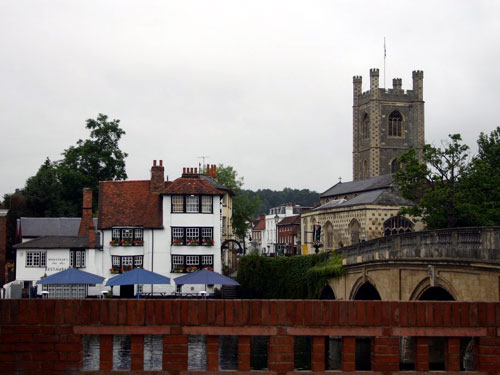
<point>327,293</point>
<point>364,289</point>
<point>440,290</point>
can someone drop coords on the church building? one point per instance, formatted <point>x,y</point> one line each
<point>386,123</point>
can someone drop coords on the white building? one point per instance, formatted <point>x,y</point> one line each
<point>276,214</point>
<point>169,227</point>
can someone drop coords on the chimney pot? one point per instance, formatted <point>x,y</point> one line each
<point>154,163</point>
<point>161,163</point>
<point>196,171</point>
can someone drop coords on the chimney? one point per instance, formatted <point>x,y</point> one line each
<point>214,171</point>
<point>157,177</point>
<point>91,236</point>
<point>86,221</point>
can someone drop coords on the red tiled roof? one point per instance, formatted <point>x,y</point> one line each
<point>290,220</point>
<point>129,203</point>
<point>191,185</point>
<point>260,225</point>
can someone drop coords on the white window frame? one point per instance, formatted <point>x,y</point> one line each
<point>78,257</point>
<point>177,203</point>
<point>192,204</point>
<point>36,259</point>
<point>192,260</point>
<point>206,204</point>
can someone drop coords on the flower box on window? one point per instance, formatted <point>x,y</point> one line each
<point>208,242</point>
<point>114,242</point>
<point>208,268</point>
<point>138,242</point>
<point>178,242</point>
<point>191,269</point>
<point>193,242</point>
<point>178,269</point>
<point>114,270</point>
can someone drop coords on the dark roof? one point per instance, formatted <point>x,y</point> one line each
<point>57,242</point>
<point>374,183</point>
<point>49,226</point>
<point>380,197</point>
<point>191,185</point>
<point>290,220</point>
<point>129,203</point>
<point>218,185</point>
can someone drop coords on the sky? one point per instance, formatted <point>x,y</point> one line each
<point>263,86</point>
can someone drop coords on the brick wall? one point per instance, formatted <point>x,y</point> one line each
<point>45,336</point>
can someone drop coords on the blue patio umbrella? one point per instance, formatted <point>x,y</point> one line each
<point>205,277</point>
<point>71,276</point>
<point>138,276</point>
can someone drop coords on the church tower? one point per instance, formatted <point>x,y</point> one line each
<point>386,123</point>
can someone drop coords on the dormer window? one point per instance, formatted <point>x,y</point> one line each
<point>395,124</point>
<point>192,204</point>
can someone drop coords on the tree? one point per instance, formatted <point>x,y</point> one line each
<point>98,158</point>
<point>244,207</point>
<point>56,189</point>
<point>482,182</point>
<point>435,184</point>
<point>43,192</point>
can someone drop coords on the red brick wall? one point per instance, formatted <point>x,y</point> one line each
<point>45,336</point>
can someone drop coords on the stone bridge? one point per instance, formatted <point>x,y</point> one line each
<point>461,264</point>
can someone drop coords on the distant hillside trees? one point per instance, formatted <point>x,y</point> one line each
<point>272,198</point>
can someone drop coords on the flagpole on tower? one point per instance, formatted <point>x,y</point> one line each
<point>385,54</point>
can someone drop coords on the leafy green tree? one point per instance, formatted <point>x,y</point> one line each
<point>244,207</point>
<point>43,192</point>
<point>481,185</point>
<point>56,189</point>
<point>435,183</point>
<point>98,158</point>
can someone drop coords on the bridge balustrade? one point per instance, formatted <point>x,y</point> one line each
<point>61,336</point>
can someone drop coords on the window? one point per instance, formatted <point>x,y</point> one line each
<point>365,126</point>
<point>125,263</point>
<point>77,258</point>
<point>193,203</point>
<point>206,204</point>
<point>223,225</point>
<point>397,225</point>
<point>192,236</point>
<point>207,236</point>
<point>127,237</point>
<point>177,203</point>
<point>36,258</point>
<point>191,263</point>
<point>395,124</point>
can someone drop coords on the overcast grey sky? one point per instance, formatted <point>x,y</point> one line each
<point>264,86</point>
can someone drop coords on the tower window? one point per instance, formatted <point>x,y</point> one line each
<point>395,124</point>
<point>365,125</point>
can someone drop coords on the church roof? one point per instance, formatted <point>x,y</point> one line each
<point>357,186</point>
<point>381,197</point>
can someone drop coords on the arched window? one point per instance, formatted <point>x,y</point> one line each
<point>395,124</point>
<point>365,126</point>
<point>394,166</point>
<point>397,225</point>
<point>328,236</point>
<point>354,229</point>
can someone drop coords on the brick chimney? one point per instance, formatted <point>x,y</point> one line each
<point>214,171</point>
<point>86,221</point>
<point>92,236</point>
<point>157,177</point>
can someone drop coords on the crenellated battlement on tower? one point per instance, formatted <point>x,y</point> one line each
<point>386,122</point>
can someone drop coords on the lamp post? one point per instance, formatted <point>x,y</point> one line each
<point>276,220</point>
